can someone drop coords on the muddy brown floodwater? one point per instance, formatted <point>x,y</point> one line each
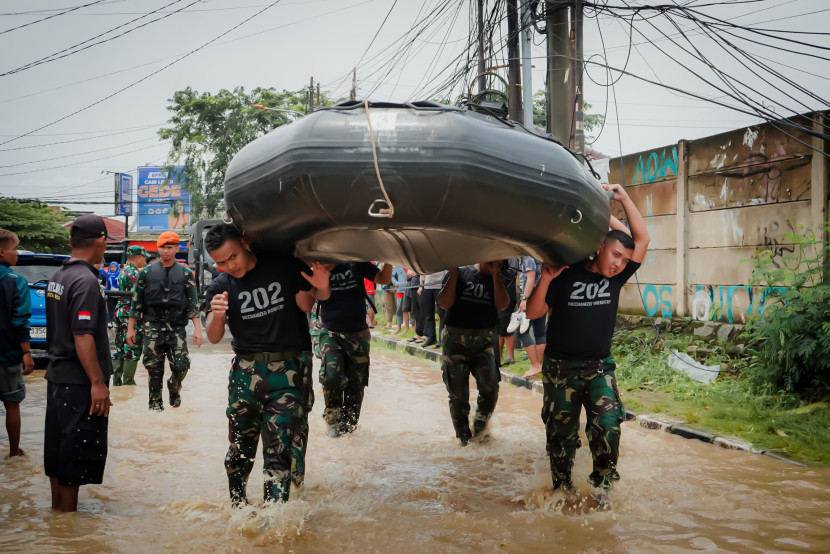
<point>401,483</point>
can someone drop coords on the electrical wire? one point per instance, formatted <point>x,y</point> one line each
<point>50,17</point>
<point>122,89</point>
<point>74,49</point>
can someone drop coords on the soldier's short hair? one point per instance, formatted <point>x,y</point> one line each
<point>218,234</point>
<point>620,236</point>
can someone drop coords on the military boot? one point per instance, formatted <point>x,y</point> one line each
<point>117,371</point>
<point>129,367</point>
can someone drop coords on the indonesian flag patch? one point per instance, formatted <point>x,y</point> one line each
<point>85,315</point>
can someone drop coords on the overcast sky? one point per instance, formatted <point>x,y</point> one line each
<point>65,119</point>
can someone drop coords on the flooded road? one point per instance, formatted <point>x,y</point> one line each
<point>400,483</point>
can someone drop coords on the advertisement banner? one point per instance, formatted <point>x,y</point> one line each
<point>123,194</point>
<point>163,202</point>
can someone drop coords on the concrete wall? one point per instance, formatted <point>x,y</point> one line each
<point>713,202</point>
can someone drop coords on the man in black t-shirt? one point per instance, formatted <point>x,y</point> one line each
<point>471,296</point>
<point>344,342</point>
<point>78,375</point>
<point>262,298</point>
<point>578,369</point>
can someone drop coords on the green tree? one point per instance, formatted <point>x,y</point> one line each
<point>36,225</point>
<point>207,130</point>
<point>590,121</point>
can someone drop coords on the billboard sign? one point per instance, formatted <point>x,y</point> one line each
<point>163,202</point>
<point>123,194</point>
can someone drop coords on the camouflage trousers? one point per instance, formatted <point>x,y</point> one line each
<point>124,351</point>
<point>344,373</point>
<point>465,354</point>
<point>272,400</point>
<point>162,340</point>
<point>569,385</point>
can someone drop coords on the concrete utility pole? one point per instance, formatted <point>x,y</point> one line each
<point>353,92</point>
<point>514,90</point>
<point>559,87</point>
<point>527,68</point>
<point>482,81</point>
<point>579,131</point>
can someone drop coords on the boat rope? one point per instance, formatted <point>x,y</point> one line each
<point>391,211</point>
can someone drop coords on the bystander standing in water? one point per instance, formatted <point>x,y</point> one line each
<point>471,296</point>
<point>78,401</point>
<point>262,298</point>
<point>578,369</point>
<point>15,352</point>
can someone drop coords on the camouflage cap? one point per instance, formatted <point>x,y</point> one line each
<point>136,250</point>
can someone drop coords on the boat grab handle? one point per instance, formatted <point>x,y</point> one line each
<point>574,219</point>
<point>381,212</point>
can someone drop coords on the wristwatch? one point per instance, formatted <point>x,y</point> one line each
<point>524,297</point>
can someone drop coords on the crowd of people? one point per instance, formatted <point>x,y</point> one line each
<point>272,305</point>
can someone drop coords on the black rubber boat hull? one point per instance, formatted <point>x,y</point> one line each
<point>465,187</point>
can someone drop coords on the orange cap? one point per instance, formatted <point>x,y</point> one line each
<point>168,237</point>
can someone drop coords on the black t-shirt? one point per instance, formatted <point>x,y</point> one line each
<point>474,306</point>
<point>262,311</point>
<point>75,305</point>
<point>345,310</point>
<point>584,312</point>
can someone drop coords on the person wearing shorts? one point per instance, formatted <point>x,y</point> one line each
<point>15,352</point>
<point>78,375</point>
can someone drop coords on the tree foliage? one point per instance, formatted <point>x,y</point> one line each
<point>207,130</point>
<point>791,338</point>
<point>590,121</point>
<point>36,225</point>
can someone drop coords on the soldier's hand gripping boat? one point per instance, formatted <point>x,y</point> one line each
<point>421,185</point>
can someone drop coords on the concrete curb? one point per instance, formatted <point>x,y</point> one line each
<point>649,421</point>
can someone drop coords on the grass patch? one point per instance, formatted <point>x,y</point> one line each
<point>730,406</point>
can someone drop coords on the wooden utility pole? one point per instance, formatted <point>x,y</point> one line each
<point>482,82</point>
<point>559,89</point>
<point>514,90</point>
<point>319,103</point>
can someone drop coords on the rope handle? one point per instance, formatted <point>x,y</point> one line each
<point>383,212</point>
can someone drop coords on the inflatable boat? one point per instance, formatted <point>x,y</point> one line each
<point>421,185</point>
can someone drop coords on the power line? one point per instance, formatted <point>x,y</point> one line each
<point>50,17</point>
<point>119,91</point>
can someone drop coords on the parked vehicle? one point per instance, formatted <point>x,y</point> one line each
<point>38,269</point>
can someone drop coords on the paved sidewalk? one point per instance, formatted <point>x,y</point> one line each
<point>649,421</point>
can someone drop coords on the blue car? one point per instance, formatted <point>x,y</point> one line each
<point>38,269</point>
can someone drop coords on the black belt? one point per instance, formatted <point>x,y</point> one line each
<point>269,356</point>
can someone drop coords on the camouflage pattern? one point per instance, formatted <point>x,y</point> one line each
<point>137,305</point>
<point>464,355</point>
<point>314,327</point>
<point>272,399</point>
<point>344,373</point>
<point>163,340</point>
<point>127,280</point>
<point>569,385</point>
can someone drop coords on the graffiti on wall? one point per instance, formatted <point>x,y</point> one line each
<point>658,299</point>
<point>653,167</point>
<point>730,303</point>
